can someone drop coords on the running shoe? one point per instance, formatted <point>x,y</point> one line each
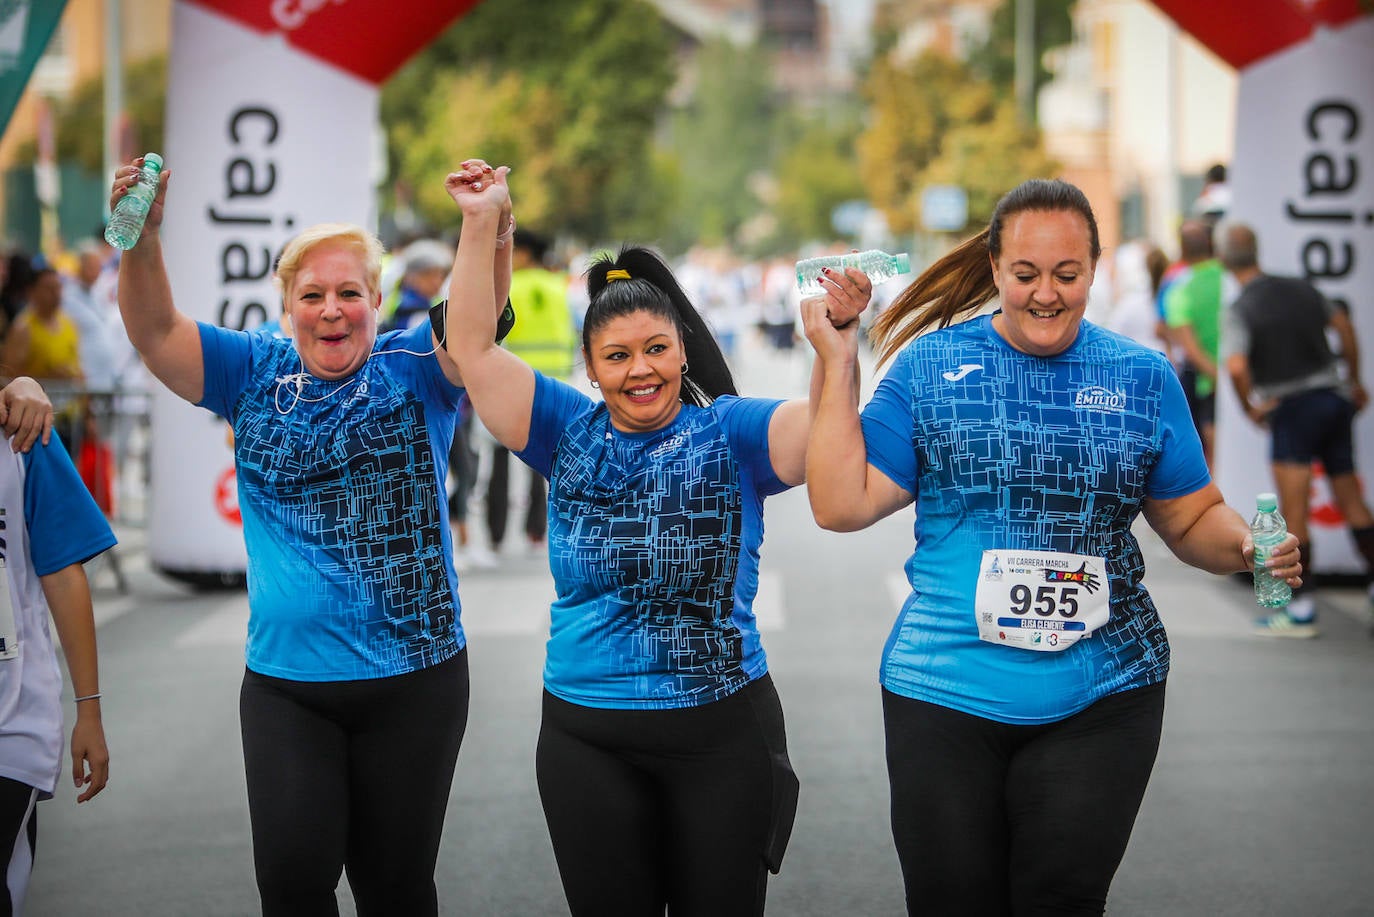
<point>1283,624</point>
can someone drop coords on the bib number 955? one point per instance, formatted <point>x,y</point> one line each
<point>1047,600</point>
<point>1040,600</point>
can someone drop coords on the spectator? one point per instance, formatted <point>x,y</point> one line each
<point>94,319</point>
<point>1192,310</point>
<point>51,528</point>
<point>426,263</point>
<point>43,342</point>
<point>1289,382</point>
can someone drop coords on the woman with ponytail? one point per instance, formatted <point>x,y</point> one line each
<point>662,758</point>
<point>1023,683</point>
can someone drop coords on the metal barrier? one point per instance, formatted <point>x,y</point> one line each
<point>106,431</point>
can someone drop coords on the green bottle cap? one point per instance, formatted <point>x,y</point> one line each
<point>152,161</point>
<point>1266,503</point>
<point>903,262</point>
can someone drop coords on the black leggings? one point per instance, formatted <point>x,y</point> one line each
<point>351,775</point>
<point>18,838</point>
<point>991,819</point>
<point>498,500</point>
<point>686,808</point>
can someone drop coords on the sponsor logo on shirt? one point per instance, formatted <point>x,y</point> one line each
<point>670,444</point>
<point>359,394</point>
<point>1100,399</point>
<point>954,375</point>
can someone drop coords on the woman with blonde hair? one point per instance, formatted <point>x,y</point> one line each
<point>355,691</point>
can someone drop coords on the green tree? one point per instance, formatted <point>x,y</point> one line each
<point>80,120</point>
<point>724,138</point>
<point>568,93</point>
<point>995,59</point>
<point>990,157</point>
<point>815,174</point>
<point>910,107</point>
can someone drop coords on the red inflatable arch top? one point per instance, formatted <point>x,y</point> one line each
<point>1242,32</point>
<point>368,38</point>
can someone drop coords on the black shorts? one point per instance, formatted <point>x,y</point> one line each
<point>1314,425</point>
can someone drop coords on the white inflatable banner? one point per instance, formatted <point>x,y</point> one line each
<point>271,127</point>
<point>1303,177</point>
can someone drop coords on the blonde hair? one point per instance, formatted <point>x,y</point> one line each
<point>368,245</point>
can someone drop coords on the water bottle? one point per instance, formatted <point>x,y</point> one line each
<point>1268,529</point>
<point>879,266</point>
<point>126,223</point>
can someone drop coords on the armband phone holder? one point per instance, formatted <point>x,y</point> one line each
<point>504,323</point>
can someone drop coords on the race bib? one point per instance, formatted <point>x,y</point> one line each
<point>9,634</point>
<point>1040,600</point>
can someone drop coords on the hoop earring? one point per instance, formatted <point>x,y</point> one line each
<point>596,384</point>
<point>684,367</point>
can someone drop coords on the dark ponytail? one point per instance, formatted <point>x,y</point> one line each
<point>651,287</point>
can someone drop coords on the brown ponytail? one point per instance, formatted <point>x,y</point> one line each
<point>959,282</point>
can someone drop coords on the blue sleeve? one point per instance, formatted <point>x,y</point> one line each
<point>228,359</point>
<point>746,422</point>
<point>1182,468</point>
<point>65,525</point>
<point>556,404</point>
<point>424,375</point>
<point>888,425</point>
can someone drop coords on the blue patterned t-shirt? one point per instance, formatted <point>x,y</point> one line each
<point>1008,450</point>
<point>654,547</point>
<point>341,489</point>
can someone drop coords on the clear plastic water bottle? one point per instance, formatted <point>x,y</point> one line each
<point>879,266</point>
<point>126,223</point>
<point>1268,529</point>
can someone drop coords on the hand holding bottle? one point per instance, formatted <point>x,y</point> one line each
<point>831,320</point>
<point>128,226</point>
<point>1273,552</point>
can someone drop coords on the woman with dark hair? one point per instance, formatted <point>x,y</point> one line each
<point>1023,683</point>
<point>662,758</point>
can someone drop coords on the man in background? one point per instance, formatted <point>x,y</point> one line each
<point>1192,312</point>
<point>1290,381</point>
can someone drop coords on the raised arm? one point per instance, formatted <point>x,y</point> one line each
<point>844,301</point>
<point>846,492</point>
<point>499,384</point>
<point>167,340</point>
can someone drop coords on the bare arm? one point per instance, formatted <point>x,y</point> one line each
<point>501,280</point>
<point>1186,338</point>
<point>1350,353</point>
<point>69,598</point>
<point>846,492</point>
<point>844,301</point>
<point>167,340</point>
<point>1238,368</point>
<point>1201,530</point>
<point>500,384</point>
